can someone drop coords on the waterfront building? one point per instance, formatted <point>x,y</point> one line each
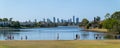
<point>27,24</point>
<point>4,24</point>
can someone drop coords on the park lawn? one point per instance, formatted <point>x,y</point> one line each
<point>61,44</point>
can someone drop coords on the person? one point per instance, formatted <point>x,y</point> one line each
<point>116,37</point>
<point>26,37</point>
<point>57,36</point>
<point>8,37</point>
<point>21,38</point>
<point>119,37</point>
<point>100,37</point>
<point>12,37</point>
<point>96,37</point>
<point>77,37</point>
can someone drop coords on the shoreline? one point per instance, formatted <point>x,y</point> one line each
<point>10,28</point>
<point>6,28</point>
<point>96,30</point>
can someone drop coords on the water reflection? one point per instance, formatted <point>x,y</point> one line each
<point>5,33</point>
<point>85,35</point>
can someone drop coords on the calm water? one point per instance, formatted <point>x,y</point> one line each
<point>64,33</point>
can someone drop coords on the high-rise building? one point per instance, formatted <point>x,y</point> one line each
<point>54,19</point>
<point>73,19</point>
<point>77,20</point>
<point>48,20</point>
<point>35,20</point>
<point>70,20</point>
<point>58,21</point>
<point>44,20</point>
<point>62,20</point>
<point>29,21</point>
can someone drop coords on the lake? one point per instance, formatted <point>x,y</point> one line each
<point>63,32</point>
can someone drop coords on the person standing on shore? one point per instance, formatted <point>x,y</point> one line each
<point>8,37</point>
<point>77,37</point>
<point>26,37</point>
<point>12,37</point>
<point>57,36</point>
<point>21,38</point>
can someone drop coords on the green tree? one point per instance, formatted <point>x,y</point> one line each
<point>84,22</point>
<point>10,19</point>
<point>15,24</point>
<point>97,19</point>
<point>1,20</point>
<point>116,15</point>
<point>112,23</point>
<point>107,15</point>
<point>109,23</point>
<point>5,19</point>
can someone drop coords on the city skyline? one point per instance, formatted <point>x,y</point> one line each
<point>23,10</point>
<point>73,19</point>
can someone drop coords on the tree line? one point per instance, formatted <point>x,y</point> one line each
<point>5,22</point>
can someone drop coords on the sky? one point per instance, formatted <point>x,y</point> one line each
<point>23,10</point>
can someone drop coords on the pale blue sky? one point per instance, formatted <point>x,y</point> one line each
<point>23,10</point>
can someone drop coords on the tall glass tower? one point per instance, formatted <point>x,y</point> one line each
<point>73,19</point>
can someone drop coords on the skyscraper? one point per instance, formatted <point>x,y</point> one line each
<point>44,20</point>
<point>77,20</point>
<point>73,19</point>
<point>35,20</point>
<point>62,20</point>
<point>58,21</point>
<point>70,20</point>
<point>48,20</point>
<point>54,19</point>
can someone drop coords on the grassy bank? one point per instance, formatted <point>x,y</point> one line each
<point>61,44</point>
<point>96,30</point>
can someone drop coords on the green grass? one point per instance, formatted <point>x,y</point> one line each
<point>61,44</point>
<point>3,46</point>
